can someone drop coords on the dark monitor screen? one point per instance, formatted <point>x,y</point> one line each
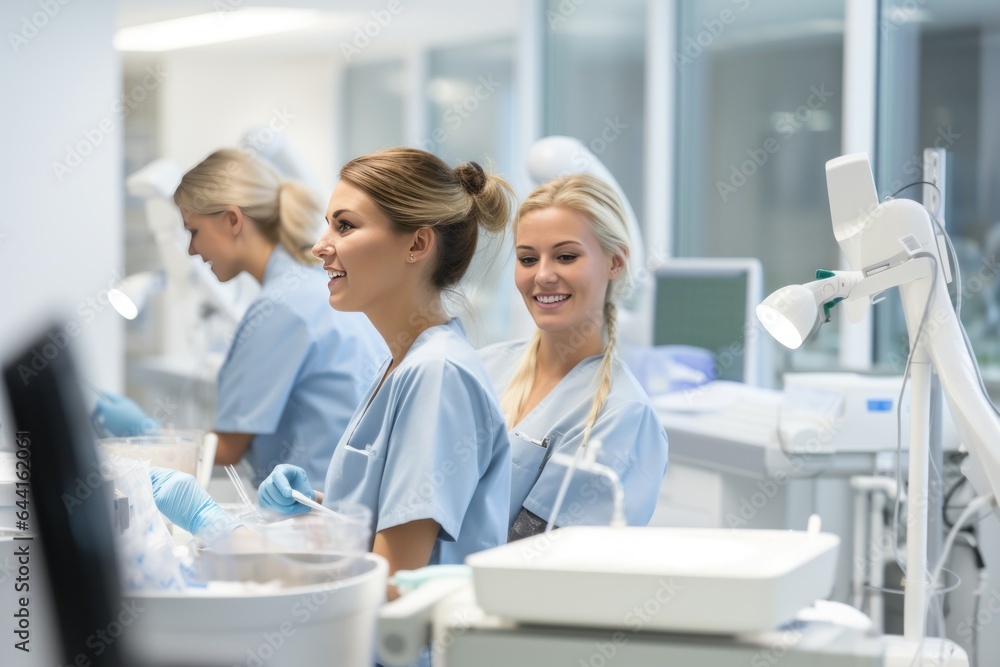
<point>70,511</point>
<point>71,519</point>
<point>706,311</point>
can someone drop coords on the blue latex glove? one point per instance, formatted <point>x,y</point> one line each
<point>121,416</point>
<point>178,495</point>
<point>275,492</point>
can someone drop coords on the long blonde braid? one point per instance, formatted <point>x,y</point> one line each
<point>606,370</point>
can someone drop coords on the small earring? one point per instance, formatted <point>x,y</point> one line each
<point>411,256</point>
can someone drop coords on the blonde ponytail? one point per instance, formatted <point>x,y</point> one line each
<point>285,212</point>
<point>298,213</point>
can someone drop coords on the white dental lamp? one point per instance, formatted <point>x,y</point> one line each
<point>895,244</point>
<point>791,314</point>
<point>130,295</point>
<point>556,156</point>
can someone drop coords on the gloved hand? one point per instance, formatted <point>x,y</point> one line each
<point>275,492</point>
<point>189,506</point>
<point>121,416</point>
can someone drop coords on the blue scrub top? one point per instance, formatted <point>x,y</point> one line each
<point>634,443</point>
<point>431,444</point>
<point>295,371</point>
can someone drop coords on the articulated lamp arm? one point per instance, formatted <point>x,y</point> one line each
<point>895,244</point>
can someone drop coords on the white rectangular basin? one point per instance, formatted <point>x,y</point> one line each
<point>700,580</point>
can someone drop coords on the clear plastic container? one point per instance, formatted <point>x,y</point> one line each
<point>177,449</point>
<point>302,550</point>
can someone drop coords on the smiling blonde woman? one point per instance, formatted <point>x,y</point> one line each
<point>565,386</point>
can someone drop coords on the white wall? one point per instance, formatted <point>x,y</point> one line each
<point>61,233</point>
<point>210,100</point>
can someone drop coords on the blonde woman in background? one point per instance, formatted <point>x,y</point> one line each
<point>565,387</point>
<point>295,370</point>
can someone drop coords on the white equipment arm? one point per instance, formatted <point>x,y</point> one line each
<point>879,238</point>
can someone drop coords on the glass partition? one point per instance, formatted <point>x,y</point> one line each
<point>374,106</point>
<point>471,98</point>
<point>470,90</point>
<point>939,87</point>
<point>759,95</point>
<point>594,83</point>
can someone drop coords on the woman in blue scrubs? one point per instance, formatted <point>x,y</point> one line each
<point>295,371</point>
<point>427,448</point>
<point>565,387</point>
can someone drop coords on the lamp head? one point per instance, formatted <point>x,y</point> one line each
<point>790,315</point>
<point>130,295</point>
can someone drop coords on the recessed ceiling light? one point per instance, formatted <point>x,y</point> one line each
<point>213,28</point>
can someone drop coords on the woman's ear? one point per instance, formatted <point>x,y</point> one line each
<point>422,243</point>
<point>618,263</point>
<point>233,219</point>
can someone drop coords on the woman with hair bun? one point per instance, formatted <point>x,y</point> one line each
<point>565,387</point>
<point>295,371</point>
<point>427,448</point>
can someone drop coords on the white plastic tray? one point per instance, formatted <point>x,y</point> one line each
<point>328,623</point>
<point>698,580</point>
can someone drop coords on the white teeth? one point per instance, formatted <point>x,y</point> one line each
<point>336,274</point>
<point>552,299</point>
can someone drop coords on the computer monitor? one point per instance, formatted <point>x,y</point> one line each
<point>710,303</point>
<point>70,512</point>
<point>67,506</point>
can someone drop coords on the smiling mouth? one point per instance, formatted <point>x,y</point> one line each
<point>335,274</point>
<point>550,299</point>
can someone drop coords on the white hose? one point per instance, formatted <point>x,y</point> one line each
<point>972,508</point>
